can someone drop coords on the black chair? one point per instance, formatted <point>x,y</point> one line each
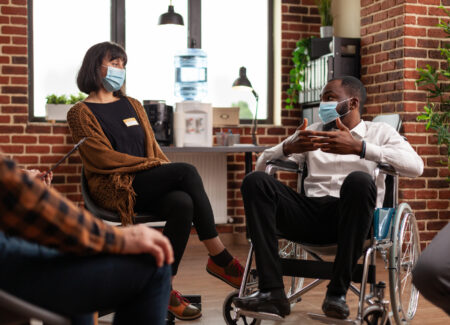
<point>107,215</point>
<point>15,311</point>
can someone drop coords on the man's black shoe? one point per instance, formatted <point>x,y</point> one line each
<point>267,302</point>
<point>335,306</point>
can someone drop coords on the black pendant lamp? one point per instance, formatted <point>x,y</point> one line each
<point>171,17</point>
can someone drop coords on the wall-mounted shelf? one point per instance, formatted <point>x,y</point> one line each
<point>343,58</point>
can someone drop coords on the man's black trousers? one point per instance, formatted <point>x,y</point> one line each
<point>272,208</point>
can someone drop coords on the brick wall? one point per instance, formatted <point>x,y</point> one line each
<point>32,145</point>
<point>394,43</point>
<point>397,37</point>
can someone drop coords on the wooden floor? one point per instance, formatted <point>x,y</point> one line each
<point>193,279</point>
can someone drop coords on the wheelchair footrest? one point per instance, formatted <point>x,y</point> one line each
<point>330,320</point>
<point>261,315</point>
<point>320,270</point>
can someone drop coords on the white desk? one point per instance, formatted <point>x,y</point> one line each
<point>211,163</point>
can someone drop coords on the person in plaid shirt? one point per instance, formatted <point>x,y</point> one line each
<point>61,257</point>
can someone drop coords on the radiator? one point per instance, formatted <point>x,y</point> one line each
<point>212,168</point>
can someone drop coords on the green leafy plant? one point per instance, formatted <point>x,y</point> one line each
<point>244,111</point>
<point>437,112</point>
<point>62,99</point>
<point>300,58</point>
<point>324,7</point>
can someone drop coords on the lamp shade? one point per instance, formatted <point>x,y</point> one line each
<point>242,81</point>
<point>171,17</point>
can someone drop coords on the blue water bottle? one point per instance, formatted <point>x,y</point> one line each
<point>191,74</point>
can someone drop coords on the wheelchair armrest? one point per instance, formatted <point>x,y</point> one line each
<point>285,165</point>
<point>387,169</point>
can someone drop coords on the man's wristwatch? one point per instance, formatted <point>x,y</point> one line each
<point>363,150</point>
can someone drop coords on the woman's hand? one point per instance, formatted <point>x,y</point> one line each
<point>142,239</point>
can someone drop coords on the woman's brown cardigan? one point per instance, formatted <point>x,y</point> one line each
<point>109,173</point>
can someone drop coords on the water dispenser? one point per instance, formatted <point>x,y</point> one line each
<point>191,74</point>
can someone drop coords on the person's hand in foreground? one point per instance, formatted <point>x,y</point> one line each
<point>43,176</point>
<point>142,239</point>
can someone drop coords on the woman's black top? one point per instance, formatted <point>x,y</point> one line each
<point>121,125</point>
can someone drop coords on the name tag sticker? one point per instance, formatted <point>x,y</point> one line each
<point>130,121</point>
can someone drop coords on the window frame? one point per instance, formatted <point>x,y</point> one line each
<point>31,116</point>
<point>118,26</point>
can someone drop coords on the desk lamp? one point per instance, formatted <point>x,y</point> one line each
<point>244,83</point>
<point>171,17</point>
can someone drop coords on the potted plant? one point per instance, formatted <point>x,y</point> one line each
<point>57,106</point>
<point>300,58</point>
<point>437,109</point>
<point>326,18</point>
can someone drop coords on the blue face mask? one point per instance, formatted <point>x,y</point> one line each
<point>114,79</point>
<point>328,113</point>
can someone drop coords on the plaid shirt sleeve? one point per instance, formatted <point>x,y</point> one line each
<point>38,213</point>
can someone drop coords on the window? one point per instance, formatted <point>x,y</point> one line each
<point>228,45</point>
<point>151,49</point>
<point>62,31</point>
<point>233,33</point>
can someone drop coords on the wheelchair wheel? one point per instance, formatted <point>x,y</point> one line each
<point>288,249</point>
<point>228,312</point>
<point>403,255</point>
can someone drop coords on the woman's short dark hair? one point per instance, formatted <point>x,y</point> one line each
<point>89,76</point>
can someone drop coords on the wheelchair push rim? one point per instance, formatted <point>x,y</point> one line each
<point>404,252</point>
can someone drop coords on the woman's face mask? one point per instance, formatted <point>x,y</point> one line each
<point>114,79</point>
<point>328,113</point>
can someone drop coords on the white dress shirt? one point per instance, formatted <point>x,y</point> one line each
<point>327,171</point>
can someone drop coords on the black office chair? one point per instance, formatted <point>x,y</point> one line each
<point>15,311</point>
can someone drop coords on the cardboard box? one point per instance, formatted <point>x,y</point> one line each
<point>225,116</point>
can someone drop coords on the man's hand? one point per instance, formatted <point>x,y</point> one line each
<point>300,142</point>
<point>45,177</point>
<point>338,142</point>
<point>142,239</point>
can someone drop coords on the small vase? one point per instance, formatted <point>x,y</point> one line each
<point>326,31</point>
<point>57,112</point>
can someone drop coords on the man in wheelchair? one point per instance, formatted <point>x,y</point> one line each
<point>341,155</point>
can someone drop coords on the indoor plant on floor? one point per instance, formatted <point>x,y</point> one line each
<point>57,106</point>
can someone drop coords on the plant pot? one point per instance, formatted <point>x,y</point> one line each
<point>326,31</point>
<point>57,112</point>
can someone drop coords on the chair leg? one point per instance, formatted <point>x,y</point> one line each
<point>96,318</point>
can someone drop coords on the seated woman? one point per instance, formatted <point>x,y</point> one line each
<point>127,172</point>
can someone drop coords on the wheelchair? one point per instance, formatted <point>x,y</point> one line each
<point>394,235</point>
